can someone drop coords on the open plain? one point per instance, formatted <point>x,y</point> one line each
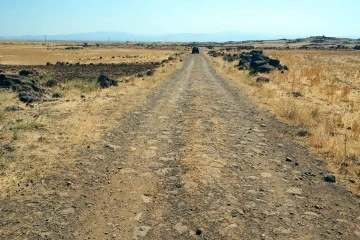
<point>185,146</point>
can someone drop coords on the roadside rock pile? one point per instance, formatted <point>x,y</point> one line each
<point>256,62</point>
<point>231,58</point>
<point>29,90</point>
<point>215,53</point>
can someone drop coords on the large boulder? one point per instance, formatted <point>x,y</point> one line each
<point>274,62</point>
<point>105,81</point>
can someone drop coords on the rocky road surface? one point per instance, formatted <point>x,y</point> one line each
<point>197,160</point>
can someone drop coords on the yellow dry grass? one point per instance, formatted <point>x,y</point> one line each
<point>47,137</point>
<point>329,82</point>
<point>33,53</point>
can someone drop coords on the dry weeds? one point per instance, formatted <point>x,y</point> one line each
<point>39,143</point>
<point>32,53</point>
<point>329,82</point>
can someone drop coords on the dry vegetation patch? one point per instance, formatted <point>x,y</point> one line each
<point>43,145</point>
<point>34,53</point>
<point>320,93</point>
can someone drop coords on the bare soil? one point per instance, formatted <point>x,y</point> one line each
<point>87,72</point>
<point>194,160</point>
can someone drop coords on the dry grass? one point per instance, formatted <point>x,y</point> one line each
<point>39,54</point>
<point>329,82</point>
<point>45,138</point>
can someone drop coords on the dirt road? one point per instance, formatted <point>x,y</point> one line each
<point>198,161</point>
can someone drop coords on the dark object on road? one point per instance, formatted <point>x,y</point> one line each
<point>330,178</point>
<point>106,82</point>
<point>195,50</point>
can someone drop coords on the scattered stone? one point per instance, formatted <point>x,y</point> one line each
<point>51,83</point>
<point>106,82</point>
<point>257,151</point>
<point>146,199</point>
<point>149,72</point>
<point>67,211</point>
<point>141,231</point>
<point>253,178</point>
<point>330,178</point>
<point>230,58</point>
<point>198,231</point>
<point>127,171</point>
<point>25,72</point>
<point>312,214</point>
<point>112,147</point>
<point>262,80</point>
<point>45,235</point>
<point>189,185</point>
<point>303,133</point>
<point>288,159</point>
<point>13,108</point>
<point>297,94</point>
<point>56,95</point>
<point>282,230</point>
<point>30,96</point>
<point>180,228</point>
<point>266,175</point>
<point>294,191</point>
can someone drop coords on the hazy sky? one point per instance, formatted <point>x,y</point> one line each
<point>288,17</point>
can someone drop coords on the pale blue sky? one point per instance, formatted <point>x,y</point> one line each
<point>284,17</point>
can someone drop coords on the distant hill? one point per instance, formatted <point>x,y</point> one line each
<point>182,37</point>
<point>122,37</point>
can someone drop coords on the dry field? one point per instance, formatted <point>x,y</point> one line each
<point>327,110</point>
<point>40,142</point>
<point>32,53</point>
